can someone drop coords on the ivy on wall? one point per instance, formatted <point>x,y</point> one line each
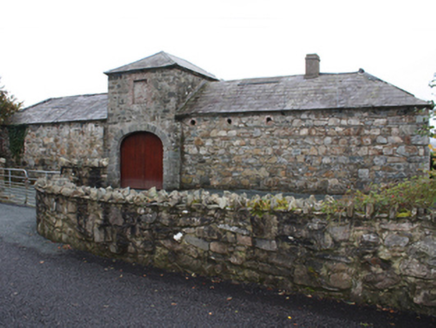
<point>17,134</point>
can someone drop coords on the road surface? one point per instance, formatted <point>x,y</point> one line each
<point>43,284</point>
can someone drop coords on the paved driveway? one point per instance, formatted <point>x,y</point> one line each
<point>43,284</point>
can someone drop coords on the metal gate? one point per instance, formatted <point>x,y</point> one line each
<point>16,185</point>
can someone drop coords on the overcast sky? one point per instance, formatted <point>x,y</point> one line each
<point>61,48</point>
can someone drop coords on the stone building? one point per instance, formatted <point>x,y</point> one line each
<point>168,123</point>
<point>68,127</point>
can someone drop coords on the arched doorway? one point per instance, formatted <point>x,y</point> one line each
<point>142,161</point>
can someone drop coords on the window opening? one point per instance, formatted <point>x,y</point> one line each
<point>140,91</point>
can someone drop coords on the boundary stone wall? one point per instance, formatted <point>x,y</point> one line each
<point>289,245</point>
<point>91,172</point>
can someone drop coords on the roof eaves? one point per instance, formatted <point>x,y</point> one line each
<point>54,98</point>
<point>172,65</point>
<point>61,121</point>
<point>136,70</point>
<point>228,112</point>
<point>209,77</point>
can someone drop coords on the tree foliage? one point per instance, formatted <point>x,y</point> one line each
<point>432,133</point>
<point>428,129</point>
<point>432,85</point>
<point>8,104</point>
<point>17,135</point>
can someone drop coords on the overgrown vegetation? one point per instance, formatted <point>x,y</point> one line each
<point>267,204</point>
<point>17,134</point>
<point>432,157</point>
<point>428,129</point>
<point>404,197</point>
<point>8,104</point>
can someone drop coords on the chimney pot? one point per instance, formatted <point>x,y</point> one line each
<point>312,66</point>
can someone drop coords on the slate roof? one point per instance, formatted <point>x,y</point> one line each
<point>327,91</point>
<point>160,60</point>
<point>64,109</point>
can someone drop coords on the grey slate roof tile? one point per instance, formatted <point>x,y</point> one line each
<point>345,90</point>
<point>64,109</point>
<point>327,91</point>
<point>160,60</point>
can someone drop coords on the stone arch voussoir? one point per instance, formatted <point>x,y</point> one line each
<point>171,156</point>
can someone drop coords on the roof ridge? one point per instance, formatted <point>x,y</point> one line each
<point>161,59</point>
<point>84,95</point>
<point>284,76</point>
<point>84,107</point>
<point>37,104</point>
<point>132,63</point>
<point>168,56</point>
<point>54,98</point>
<point>260,78</point>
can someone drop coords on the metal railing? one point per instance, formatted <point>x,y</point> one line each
<point>16,185</point>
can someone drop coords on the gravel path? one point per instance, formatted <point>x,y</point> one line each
<point>43,284</point>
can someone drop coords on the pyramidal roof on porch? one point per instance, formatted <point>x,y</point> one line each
<point>326,91</point>
<point>161,60</point>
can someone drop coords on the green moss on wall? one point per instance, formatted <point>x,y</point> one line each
<point>17,134</point>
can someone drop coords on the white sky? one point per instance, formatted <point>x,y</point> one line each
<point>61,48</point>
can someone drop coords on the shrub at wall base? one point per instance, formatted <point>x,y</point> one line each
<point>275,241</point>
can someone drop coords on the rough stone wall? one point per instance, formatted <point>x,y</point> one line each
<point>323,151</point>
<point>166,90</point>
<point>291,246</point>
<point>92,173</point>
<point>46,144</point>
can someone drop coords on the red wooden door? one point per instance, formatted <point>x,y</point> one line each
<point>142,161</point>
